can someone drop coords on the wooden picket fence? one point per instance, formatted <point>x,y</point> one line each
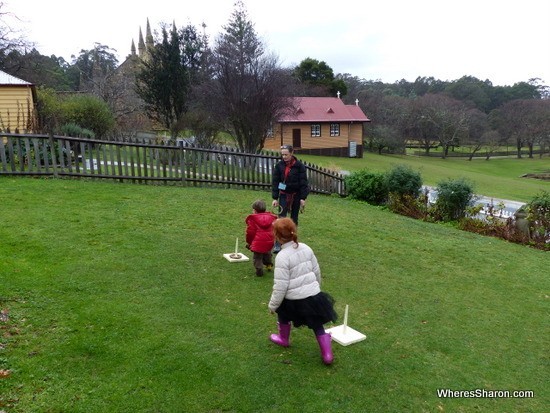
<point>143,161</point>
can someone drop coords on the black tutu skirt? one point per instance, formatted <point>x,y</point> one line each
<point>311,311</point>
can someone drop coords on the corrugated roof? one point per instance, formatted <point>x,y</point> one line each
<point>324,109</point>
<point>7,79</point>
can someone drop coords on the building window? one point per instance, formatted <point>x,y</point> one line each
<point>316,129</point>
<point>269,133</point>
<point>334,129</point>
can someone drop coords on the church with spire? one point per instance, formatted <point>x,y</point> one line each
<point>143,45</point>
<point>130,105</point>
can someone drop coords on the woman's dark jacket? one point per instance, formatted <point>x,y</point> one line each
<point>296,181</point>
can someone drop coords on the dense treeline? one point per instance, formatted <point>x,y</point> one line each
<point>430,113</point>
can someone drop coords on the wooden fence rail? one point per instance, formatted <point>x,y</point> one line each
<point>146,162</point>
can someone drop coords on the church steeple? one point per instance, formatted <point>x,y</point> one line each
<point>149,42</point>
<point>141,44</point>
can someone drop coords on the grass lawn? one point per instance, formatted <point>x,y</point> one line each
<point>499,177</point>
<point>116,298</point>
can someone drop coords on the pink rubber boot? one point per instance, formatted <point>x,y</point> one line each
<point>326,348</point>
<point>281,339</point>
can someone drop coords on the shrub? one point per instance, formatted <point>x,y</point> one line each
<point>89,112</point>
<point>367,186</point>
<point>49,111</point>
<point>414,207</point>
<point>507,230</point>
<point>402,180</point>
<point>74,130</point>
<point>453,198</point>
<point>538,215</point>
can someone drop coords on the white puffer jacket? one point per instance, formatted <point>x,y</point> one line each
<point>297,274</point>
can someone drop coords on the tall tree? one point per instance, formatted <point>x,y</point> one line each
<point>166,75</point>
<point>536,123</point>
<point>418,127</point>
<point>386,129</point>
<point>250,87</point>
<point>51,72</point>
<point>10,38</point>
<point>449,118</point>
<point>478,129</point>
<point>510,121</point>
<point>319,77</point>
<point>423,85</point>
<point>471,90</point>
<point>527,90</point>
<point>200,118</point>
<point>94,67</point>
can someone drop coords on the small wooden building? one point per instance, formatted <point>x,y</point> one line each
<point>320,126</point>
<point>17,104</point>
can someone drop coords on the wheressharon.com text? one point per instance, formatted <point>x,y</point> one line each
<point>485,394</point>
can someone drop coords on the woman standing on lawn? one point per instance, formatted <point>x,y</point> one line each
<point>297,295</point>
<point>289,186</point>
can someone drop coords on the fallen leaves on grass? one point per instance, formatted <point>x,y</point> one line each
<point>4,373</point>
<point>4,315</point>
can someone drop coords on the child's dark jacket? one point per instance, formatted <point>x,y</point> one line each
<point>259,232</point>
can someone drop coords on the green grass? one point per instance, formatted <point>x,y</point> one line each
<point>118,300</point>
<point>466,150</point>
<point>499,178</point>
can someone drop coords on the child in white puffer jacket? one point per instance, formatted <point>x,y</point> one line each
<point>297,295</point>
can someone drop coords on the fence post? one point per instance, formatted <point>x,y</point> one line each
<point>184,162</point>
<point>54,159</point>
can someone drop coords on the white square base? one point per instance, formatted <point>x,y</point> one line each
<point>346,338</point>
<point>231,257</point>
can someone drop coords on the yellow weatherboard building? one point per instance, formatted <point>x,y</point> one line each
<point>17,104</point>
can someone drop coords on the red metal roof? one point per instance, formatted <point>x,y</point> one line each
<point>324,109</point>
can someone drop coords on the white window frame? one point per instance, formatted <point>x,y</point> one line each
<point>316,130</point>
<point>269,133</point>
<point>334,129</point>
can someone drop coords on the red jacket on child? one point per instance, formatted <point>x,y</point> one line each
<point>259,232</point>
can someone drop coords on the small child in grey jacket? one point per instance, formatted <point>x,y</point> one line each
<point>297,295</point>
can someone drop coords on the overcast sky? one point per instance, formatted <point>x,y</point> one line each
<point>503,41</point>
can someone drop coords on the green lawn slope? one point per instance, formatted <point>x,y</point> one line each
<point>116,298</point>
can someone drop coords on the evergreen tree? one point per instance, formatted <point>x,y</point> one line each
<point>319,77</point>
<point>167,74</point>
<point>94,67</point>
